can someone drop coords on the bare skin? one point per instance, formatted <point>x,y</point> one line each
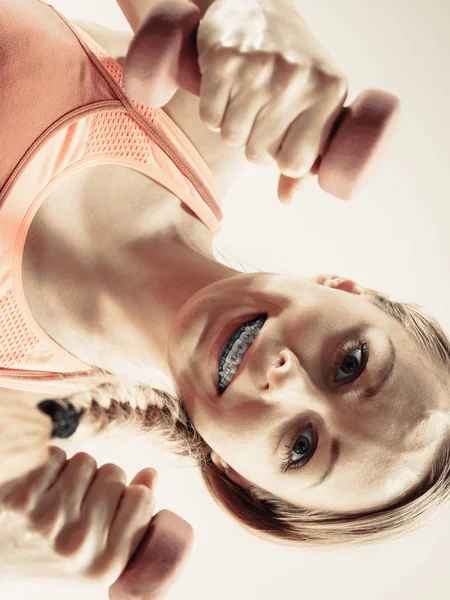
<point>172,298</point>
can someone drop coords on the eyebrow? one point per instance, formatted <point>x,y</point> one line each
<point>385,375</point>
<point>334,455</point>
<point>368,393</point>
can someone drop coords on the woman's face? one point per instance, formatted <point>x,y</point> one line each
<point>332,406</point>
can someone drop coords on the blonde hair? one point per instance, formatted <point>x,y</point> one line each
<point>258,511</point>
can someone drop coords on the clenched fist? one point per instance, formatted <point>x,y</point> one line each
<point>268,85</point>
<point>87,514</point>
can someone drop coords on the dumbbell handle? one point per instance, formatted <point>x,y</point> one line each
<point>163,57</point>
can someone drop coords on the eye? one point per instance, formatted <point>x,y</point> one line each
<point>300,450</point>
<point>351,362</point>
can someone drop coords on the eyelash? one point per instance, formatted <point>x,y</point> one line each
<point>347,349</point>
<point>288,463</point>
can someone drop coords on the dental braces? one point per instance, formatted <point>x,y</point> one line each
<point>238,350</point>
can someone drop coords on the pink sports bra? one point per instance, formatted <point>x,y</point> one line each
<point>64,108</point>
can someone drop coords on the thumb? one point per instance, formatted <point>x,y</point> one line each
<point>147,477</point>
<point>289,187</point>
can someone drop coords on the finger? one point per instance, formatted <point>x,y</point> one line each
<point>289,187</point>
<point>215,88</point>
<point>267,134</point>
<point>128,529</point>
<point>240,115</point>
<point>306,139</point>
<point>245,100</point>
<point>147,477</point>
<point>85,537</point>
<point>23,494</point>
<point>61,503</point>
<point>274,119</point>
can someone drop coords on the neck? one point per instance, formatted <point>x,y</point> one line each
<point>143,290</point>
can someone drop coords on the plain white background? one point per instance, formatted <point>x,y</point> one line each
<point>394,237</point>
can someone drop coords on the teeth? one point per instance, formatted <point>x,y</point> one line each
<point>239,347</point>
<point>233,359</point>
<point>236,353</point>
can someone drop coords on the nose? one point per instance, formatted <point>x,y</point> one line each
<point>290,387</point>
<point>285,372</point>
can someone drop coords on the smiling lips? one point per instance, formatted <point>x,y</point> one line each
<point>235,350</point>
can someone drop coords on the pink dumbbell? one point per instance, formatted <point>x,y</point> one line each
<point>163,57</point>
<point>157,561</point>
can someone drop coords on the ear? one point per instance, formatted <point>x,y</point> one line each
<point>230,472</point>
<point>344,284</point>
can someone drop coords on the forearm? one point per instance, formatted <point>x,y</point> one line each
<point>205,4</point>
<point>135,11</point>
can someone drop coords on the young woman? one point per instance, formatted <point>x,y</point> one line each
<point>318,410</point>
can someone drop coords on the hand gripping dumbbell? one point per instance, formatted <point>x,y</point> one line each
<point>167,543</point>
<point>157,562</point>
<point>163,57</point>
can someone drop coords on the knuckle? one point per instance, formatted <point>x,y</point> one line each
<point>259,65</point>
<point>19,500</point>
<point>232,137</point>
<point>284,162</point>
<point>332,81</point>
<point>293,73</point>
<point>263,57</point>
<point>140,493</point>
<point>293,167</point>
<point>110,469</point>
<point>222,55</point>
<point>209,118</point>
<point>45,519</point>
<point>339,84</point>
<point>82,459</point>
<point>292,69</point>
<point>205,113</point>
<point>57,453</point>
<point>105,570</point>
<point>257,157</point>
<point>106,566</point>
<point>143,500</point>
<point>101,572</point>
<point>70,541</point>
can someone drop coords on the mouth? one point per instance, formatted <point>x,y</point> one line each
<point>233,348</point>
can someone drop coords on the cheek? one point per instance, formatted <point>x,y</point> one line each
<point>412,406</point>
<point>354,421</point>
<point>236,426</point>
<point>233,434</point>
<point>377,474</point>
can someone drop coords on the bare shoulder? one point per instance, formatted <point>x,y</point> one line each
<point>224,161</point>
<point>115,42</point>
